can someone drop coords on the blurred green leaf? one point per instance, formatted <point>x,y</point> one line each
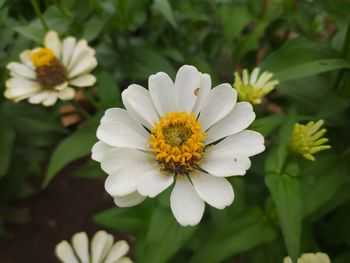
<point>241,234</point>
<point>133,220</point>
<point>108,90</point>
<point>73,147</point>
<point>266,125</point>
<point>7,138</point>
<point>90,169</point>
<point>163,239</point>
<point>276,159</point>
<point>300,58</point>
<point>93,28</point>
<point>165,8</point>
<point>285,192</point>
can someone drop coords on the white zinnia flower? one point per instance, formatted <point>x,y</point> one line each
<point>49,73</point>
<point>182,132</point>
<point>310,258</point>
<point>102,249</point>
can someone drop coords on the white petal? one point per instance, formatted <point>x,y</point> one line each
<point>254,76</point>
<point>100,244</point>
<point>66,94</point>
<point>154,182</point>
<point>187,81</point>
<point>119,134</point>
<point>217,105</point>
<point>21,70</point>
<point>129,200</point>
<point>223,164</point>
<point>138,102</point>
<point>65,253</point>
<point>53,42</point>
<point>186,205</point>
<point>50,99</point>
<point>80,244</point>
<point>83,81</point>
<point>86,65</point>
<point>246,143</point>
<point>25,58</point>
<point>204,90</point>
<point>124,260</point>
<point>118,250</point>
<point>216,191</point>
<point>118,158</point>
<point>98,150</point>
<point>237,120</point>
<point>19,87</point>
<point>124,181</point>
<point>68,47</point>
<point>82,60</point>
<point>39,98</point>
<point>121,115</point>
<point>163,93</point>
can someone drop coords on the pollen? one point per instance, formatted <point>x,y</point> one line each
<point>50,72</point>
<point>42,57</point>
<point>177,142</point>
<point>306,140</point>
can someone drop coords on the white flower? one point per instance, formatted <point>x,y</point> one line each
<point>49,73</point>
<point>310,258</point>
<point>182,132</point>
<point>102,249</point>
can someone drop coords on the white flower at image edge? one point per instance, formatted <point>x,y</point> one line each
<point>181,133</point>
<point>49,73</point>
<point>101,250</point>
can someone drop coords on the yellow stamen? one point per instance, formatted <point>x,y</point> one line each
<point>42,57</point>
<point>307,139</point>
<point>177,142</point>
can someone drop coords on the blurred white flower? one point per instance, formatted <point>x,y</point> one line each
<point>310,258</point>
<point>254,87</point>
<point>48,73</point>
<point>101,250</point>
<point>182,132</point>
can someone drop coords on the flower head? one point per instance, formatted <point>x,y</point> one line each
<point>101,250</point>
<point>307,140</point>
<point>180,133</point>
<point>48,73</point>
<point>310,258</point>
<point>252,89</point>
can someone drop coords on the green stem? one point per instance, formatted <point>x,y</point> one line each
<point>80,109</point>
<point>89,97</point>
<point>39,14</point>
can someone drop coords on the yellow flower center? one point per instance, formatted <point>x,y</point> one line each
<point>42,57</point>
<point>177,142</point>
<point>50,72</point>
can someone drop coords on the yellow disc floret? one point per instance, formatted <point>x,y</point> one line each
<point>308,139</point>
<point>42,57</point>
<point>177,142</point>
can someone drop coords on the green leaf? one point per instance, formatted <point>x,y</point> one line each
<point>285,192</point>
<point>93,28</point>
<point>108,90</point>
<point>73,147</point>
<point>165,8</point>
<point>91,169</point>
<point>300,58</point>
<point>266,125</point>
<point>33,31</point>
<point>164,237</point>
<point>277,156</point>
<point>132,220</point>
<point>7,138</point>
<point>242,234</point>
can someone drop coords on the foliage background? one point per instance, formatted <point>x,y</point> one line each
<point>284,205</point>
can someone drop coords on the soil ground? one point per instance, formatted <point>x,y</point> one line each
<point>65,207</point>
